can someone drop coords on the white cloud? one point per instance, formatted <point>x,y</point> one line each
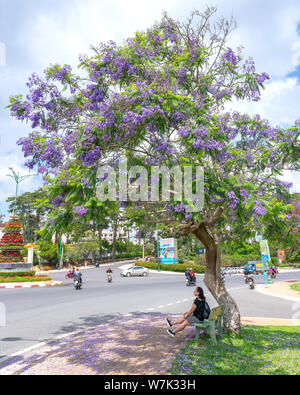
<point>267,30</point>
<point>61,37</point>
<point>292,177</point>
<point>279,102</point>
<point>296,54</point>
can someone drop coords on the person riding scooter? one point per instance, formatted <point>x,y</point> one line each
<point>272,272</point>
<point>192,274</point>
<point>78,275</point>
<point>109,274</point>
<point>190,277</point>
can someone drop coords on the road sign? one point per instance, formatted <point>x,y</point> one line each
<point>265,257</point>
<point>201,251</point>
<point>264,249</point>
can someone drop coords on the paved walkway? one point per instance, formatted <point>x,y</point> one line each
<point>133,344</point>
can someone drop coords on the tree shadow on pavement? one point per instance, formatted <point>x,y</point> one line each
<point>111,345</point>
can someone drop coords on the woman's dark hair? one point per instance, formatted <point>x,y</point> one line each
<point>201,294</point>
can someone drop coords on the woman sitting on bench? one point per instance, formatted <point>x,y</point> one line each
<point>194,315</point>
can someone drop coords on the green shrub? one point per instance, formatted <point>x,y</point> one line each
<point>17,274</point>
<point>237,260</point>
<point>171,268</point>
<point>24,279</point>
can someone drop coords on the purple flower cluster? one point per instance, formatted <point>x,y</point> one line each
<point>233,200</point>
<point>259,209</point>
<point>153,97</point>
<point>230,57</point>
<point>81,210</point>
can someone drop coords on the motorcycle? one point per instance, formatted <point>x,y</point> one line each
<point>273,273</point>
<point>109,278</point>
<point>77,283</point>
<point>223,278</point>
<point>70,274</point>
<point>190,281</point>
<point>251,283</point>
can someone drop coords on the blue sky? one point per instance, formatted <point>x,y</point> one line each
<point>35,34</point>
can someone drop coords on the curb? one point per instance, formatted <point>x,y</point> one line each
<point>84,267</point>
<point>268,321</point>
<point>259,288</point>
<point>31,285</point>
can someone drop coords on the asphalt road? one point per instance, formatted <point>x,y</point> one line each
<point>37,315</point>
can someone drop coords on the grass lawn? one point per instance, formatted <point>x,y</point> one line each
<point>24,279</point>
<point>296,286</point>
<point>260,350</point>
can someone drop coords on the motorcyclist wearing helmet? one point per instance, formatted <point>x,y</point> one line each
<point>187,273</point>
<point>78,274</point>
<point>109,272</point>
<point>192,274</point>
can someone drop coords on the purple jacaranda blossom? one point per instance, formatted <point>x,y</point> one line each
<point>85,182</point>
<point>244,193</point>
<point>259,209</point>
<point>184,131</point>
<point>81,210</point>
<point>230,57</point>
<point>42,169</point>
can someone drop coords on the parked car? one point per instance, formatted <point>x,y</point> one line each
<point>135,271</point>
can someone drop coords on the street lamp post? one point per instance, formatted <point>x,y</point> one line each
<point>158,252</point>
<point>18,179</point>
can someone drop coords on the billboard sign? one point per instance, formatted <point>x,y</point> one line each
<point>168,251</point>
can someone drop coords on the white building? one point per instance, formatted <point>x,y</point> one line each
<point>108,235</point>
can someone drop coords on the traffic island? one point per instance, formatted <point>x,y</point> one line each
<point>281,289</point>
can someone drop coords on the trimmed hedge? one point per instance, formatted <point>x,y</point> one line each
<point>23,279</point>
<point>200,269</point>
<point>18,274</point>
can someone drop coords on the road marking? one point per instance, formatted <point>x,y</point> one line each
<point>24,351</point>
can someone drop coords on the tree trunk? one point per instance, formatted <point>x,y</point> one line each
<point>115,229</point>
<point>212,279</point>
<point>100,242</point>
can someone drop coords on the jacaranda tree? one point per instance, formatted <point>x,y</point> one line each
<point>159,99</point>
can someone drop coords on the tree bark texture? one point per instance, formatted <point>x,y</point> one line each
<point>212,279</point>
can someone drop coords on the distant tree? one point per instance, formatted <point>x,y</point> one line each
<point>29,214</point>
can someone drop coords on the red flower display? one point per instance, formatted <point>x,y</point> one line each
<point>12,242</point>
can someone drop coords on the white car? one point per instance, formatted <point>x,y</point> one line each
<point>135,271</point>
